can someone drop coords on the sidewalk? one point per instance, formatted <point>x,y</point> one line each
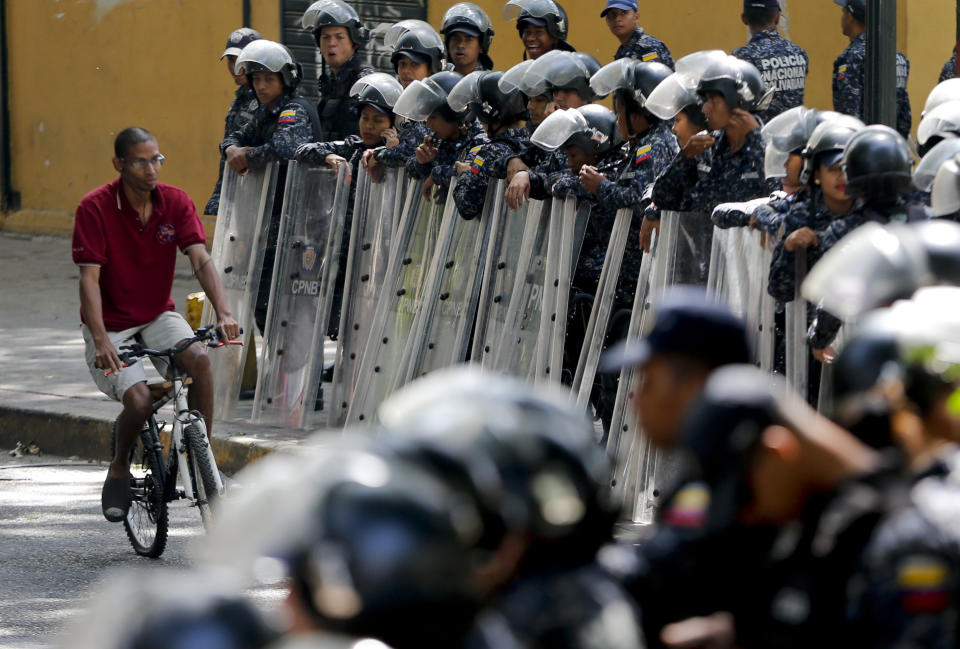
<point>46,393</point>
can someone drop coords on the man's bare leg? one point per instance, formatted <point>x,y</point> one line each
<point>195,362</point>
<point>137,406</point>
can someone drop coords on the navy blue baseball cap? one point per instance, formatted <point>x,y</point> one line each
<point>761,4</point>
<point>626,5</point>
<point>239,39</point>
<point>858,8</point>
<point>688,322</point>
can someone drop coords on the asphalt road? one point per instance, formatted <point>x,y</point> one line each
<point>56,547</point>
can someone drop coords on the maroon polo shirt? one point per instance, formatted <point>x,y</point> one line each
<point>136,261</point>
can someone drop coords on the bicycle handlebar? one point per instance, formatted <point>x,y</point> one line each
<point>207,335</point>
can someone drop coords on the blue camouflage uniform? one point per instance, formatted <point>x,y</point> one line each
<point>716,176</point>
<point>948,71</point>
<point>648,155</point>
<point>334,105</point>
<point>782,64</point>
<point>442,169</point>
<point>545,168</point>
<point>646,48</point>
<point>848,84</point>
<point>825,325</point>
<point>410,134</point>
<point>242,108</point>
<point>472,185</point>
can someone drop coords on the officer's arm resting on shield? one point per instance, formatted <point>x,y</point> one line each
<point>291,132</point>
<point>205,273</point>
<point>672,188</point>
<point>234,150</point>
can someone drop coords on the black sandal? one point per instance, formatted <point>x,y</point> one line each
<point>115,499</point>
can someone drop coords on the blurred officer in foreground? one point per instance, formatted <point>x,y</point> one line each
<point>528,457</point>
<point>949,69</point>
<point>621,17</point>
<point>850,67</point>
<point>467,36</point>
<point>244,102</point>
<point>782,64</point>
<point>859,559</point>
<point>541,24</point>
<point>339,36</point>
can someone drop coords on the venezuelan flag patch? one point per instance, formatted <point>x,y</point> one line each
<point>287,117</point>
<point>643,153</point>
<point>841,73</point>
<point>650,56</point>
<point>689,507</point>
<point>476,165</point>
<point>923,585</point>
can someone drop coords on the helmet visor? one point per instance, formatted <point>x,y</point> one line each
<point>945,193</point>
<point>466,13</point>
<point>535,8</point>
<point>270,55</point>
<point>671,95</point>
<point>558,128</point>
<point>943,118</point>
<point>610,77</point>
<point>775,161</point>
<point>338,14</point>
<point>466,92</point>
<point>385,84</point>
<point>512,79</point>
<point>419,100</point>
<point>872,266</point>
<point>555,69</point>
<point>930,164</point>
<point>791,129</point>
<point>426,37</point>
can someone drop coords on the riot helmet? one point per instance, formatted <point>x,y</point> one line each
<point>267,56</point>
<point>945,189</point>
<point>416,40</point>
<point>827,143</point>
<point>421,99</point>
<point>239,39</point>
<point>857,9</point>
<point>941,122</point>
<point>479,92</point>
<point>541,13</point>
<point>334,13</point>
<point>593,128</point>
<point>786,135</point>
<point>943,92</point>
<point>679,90</point>
<point>926,170</point>
<point>470,19</point>
<point>559,70</point>
<point>378,90</point>
<point>738,82</point>
<point>877,163</point>
<point>637,79</point>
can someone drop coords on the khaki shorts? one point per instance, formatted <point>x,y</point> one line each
<point>163,332</point>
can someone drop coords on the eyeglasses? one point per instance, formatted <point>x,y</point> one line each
<point>140,165</point>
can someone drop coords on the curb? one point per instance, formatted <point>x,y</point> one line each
<point>89,437</point>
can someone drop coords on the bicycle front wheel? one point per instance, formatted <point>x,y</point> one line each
<point>146,521</point>
<point>201,470</point>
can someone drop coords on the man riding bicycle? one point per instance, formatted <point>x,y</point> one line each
<point>124,240</point>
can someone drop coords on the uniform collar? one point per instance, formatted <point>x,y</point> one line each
<point>773,32</point>
<point>351,66</point>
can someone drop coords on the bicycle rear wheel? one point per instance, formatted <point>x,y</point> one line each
<point>201,470</point>
<point>146,521</point>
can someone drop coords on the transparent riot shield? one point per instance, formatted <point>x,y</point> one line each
<point>500,269</point>
<point>568,224</point>
<point>441,331</point>
<point>246,205</point>
<point>367,257</point>
<point>397,304</point>
<point>515,354</point>
<point>301,294</point>
<point>825,397</point>
<point>717,273</point>
<point>694,239</point>
<point>797,352</point>
<point>640,470</point>
<point>602,309</point>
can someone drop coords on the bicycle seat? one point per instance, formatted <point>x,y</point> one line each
<point>164,388</point>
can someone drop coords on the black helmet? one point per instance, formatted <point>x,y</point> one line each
<point>421,99</point>
<point>558,70</point>
<point>593,128</point>
<point>469,18</point>
<point>542,13</point>
<point>334,13</point>
<point>479,92</point>
<point>418,41</point>
<point>631,82</point>
<point>267,56</point>
<point>738,82</point>
<point>877,163</point>
<point>239,39</point>
<point>857,8</point>
<point>529,452</point>
<point>827,143</point>
<point>379,90</point>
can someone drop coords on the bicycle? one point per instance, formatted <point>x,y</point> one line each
<point>153,483</point>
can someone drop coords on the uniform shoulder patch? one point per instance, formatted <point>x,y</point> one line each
<point>287,116</point>
<point>643,153</point>
<point>688,507</point>
<point>476,165</point>
<point>650,56</point>
<point>923,584</point>
<point>841,73</point>
<point>475,150</point>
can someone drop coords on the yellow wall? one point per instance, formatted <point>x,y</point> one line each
<point>81,70</point>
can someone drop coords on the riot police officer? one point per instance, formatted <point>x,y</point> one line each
<point>782,63</point>
<point>849,68</point>
<point>244,101</point>
<point>635,43</point>
<point>467,34</point>
<point>339,36</point>
<point>541,24</point>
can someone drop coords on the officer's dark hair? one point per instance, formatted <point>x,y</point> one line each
<point>130,137</point>
<point>760,17</point>
<point>694,113</point>
<point>633,107</point>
